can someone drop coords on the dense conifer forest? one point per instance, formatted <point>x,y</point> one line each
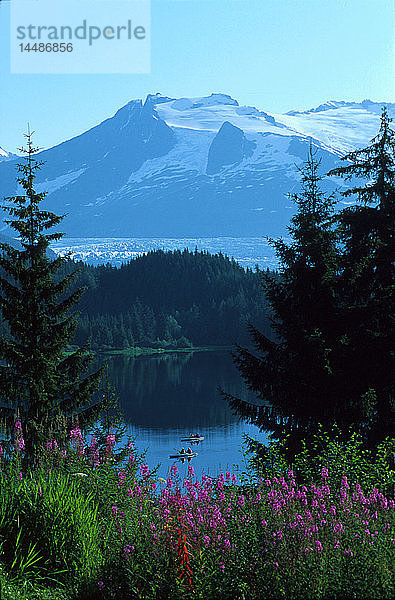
<point>167,299</point>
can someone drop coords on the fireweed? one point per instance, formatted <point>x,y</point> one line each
<point>205,538</point>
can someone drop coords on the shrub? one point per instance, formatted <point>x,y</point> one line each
<point>370,468</point>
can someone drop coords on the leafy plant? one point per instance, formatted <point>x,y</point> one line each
<point>371,467</point>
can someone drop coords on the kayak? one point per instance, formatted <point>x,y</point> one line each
<point>184,455</point>
<point>199,438</point>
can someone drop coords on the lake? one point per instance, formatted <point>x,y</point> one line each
<point>166,397</point>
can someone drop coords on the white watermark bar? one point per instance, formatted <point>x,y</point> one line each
<point>80,36</point>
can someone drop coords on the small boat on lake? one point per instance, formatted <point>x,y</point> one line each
<point>182,455</point>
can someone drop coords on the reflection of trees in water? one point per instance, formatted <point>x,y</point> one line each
<point>176,390</point>
<point>143,375</point>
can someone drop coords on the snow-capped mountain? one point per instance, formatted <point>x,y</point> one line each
<point>6,155</point>
<point>342,126</point>
<point>187,167</point>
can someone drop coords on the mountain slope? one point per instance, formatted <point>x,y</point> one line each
<point>190,167</point>
<point>342,126</point>
<point>4,155</point>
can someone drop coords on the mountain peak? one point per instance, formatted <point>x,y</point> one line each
<point>369,105</point>
<point>200,101</point>
<point>214,99</point>
<point>157,98</point>
<point>328,105</point>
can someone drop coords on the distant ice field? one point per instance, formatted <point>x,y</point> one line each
<point>247,251</point>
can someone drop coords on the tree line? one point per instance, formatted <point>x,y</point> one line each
<point>165,299</point>
<point>178,298</point>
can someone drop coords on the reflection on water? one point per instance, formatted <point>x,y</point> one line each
<point>166,397</point>
<point>175,391</point>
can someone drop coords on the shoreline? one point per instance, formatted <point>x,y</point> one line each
<point>138,351</point>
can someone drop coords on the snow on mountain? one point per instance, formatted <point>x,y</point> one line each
<point>52,185</point>
<point>187,167</point>
<point>6,155</point>
<point>374,107</point>
<point>210,112</point>
<point>342,126</point>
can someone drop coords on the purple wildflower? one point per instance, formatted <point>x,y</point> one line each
<point>144,470</point>
<point>110,443</point>
<point>75,434</point>
<point>344,482</point>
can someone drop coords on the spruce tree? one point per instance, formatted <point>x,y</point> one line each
<point>37,377</point>
<point>367,279</point>
<point>331,361</point>
<point>292,374</point>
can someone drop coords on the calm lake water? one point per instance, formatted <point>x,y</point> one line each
<point>168,396</point>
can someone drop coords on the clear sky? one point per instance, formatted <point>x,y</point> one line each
<point>277,55</point>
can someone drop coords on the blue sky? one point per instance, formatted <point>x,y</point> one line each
<point>277,55</point>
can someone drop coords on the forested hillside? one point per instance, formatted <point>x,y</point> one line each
<point>168,299</point>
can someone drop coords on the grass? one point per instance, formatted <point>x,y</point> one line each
<point>84,526</point>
